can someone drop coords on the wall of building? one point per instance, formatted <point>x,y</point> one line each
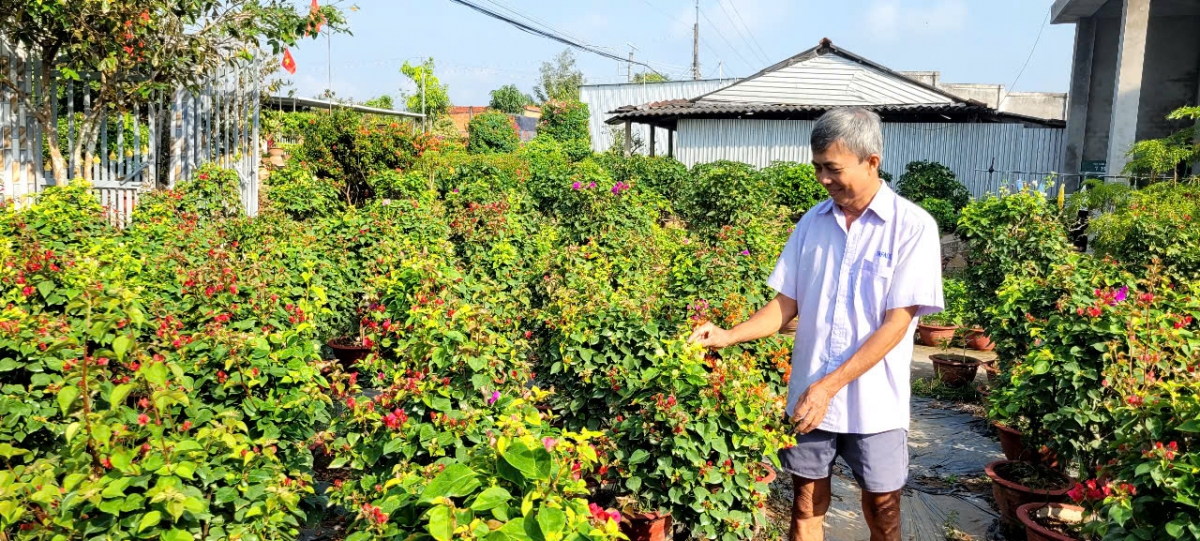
<point>1104,73</point>
<point>1014,152</point>
<point>1048,105</point>
<point>1171,70</point>
<point>602,99</point>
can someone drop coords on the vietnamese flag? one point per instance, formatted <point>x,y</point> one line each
<point>289,64</point>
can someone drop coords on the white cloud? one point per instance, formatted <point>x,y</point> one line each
<point>888,19</point>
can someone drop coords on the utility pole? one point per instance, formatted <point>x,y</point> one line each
<point>329,64</point>
<point>629,74</point>
<point>696,45</point>
<point>424,117</point>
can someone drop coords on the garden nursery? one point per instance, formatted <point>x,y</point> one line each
<point>421,338</point>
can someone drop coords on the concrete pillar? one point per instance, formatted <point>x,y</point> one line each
<point>628,138</point>
<point>1122,132</point>
<point>1078,99</point>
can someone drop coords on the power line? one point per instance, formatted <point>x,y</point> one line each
<point>1032,50</point>
<point>730,45</point>
<point>502,5</point>
<point>676,18</point>
<point>551,34</point>
<point>766,58</point>
<point>734,25</point>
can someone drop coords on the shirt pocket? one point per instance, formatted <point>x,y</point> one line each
<point>874,284</point>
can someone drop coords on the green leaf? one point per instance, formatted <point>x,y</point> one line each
<point>360,536</point>
<point>118,394</point>
<point>533,463</point>
<point>441,523</point>
<point>633,483</point>
<point>121,346</point>
<point>176,535</point>
<point>491,498</point>
<point>66,397</point>
<point>1175,528</point>
<point>226,495</point>
<point>116,489</point>
<point>1190,426</point>
<point>551,521</point>
<point>455,481</point>
<point>639,456</point>
<point>149,520</point>
<point>45,287</point>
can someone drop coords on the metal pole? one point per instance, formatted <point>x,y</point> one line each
<point>696,45</point>
<point>424,116</point>
<point>329,65</point>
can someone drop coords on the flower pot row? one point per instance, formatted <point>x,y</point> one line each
<point>1030,493</point>
<point>935,335</point>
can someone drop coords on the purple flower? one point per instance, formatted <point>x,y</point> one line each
<point>492,399</point>
<point>591,185</point>
<point>454,190</point>
<point>745,252</point>
<point>1121,294</point>
<point>576,185</point>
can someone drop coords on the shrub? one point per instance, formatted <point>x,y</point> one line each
<point>565,122</point>
<point>297,192</point>
<point>956,311</point>
<point>348,149</point>
<point>492,131</point>
<point>943,213</point>
<point>724,193</point>
<point>922,180</point>
<point>395,185</point>
<point>795,186</point>
<point>666,176</point>
<point>1155,224</point>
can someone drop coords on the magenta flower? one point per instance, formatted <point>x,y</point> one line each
<point>492,399</point>
<point>549,443</point>
<point>745,252</point>
<point>1121,294</point>
<point>591,185</point>
<point>576,185</point>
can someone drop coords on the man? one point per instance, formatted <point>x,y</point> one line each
<point>858,271</point>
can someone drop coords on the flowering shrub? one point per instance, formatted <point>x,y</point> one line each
<point>666,176</point>
<point>297,192</point>
<point>347,148</point>
<point>1155,223</point>
<point>923,180</point>
<point>492,131</point>
<point>565,122</point>
<point>795,186</point>
<point>724,193</point>
<point>943,213</point>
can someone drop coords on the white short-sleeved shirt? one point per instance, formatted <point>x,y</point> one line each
<point>844,281</point>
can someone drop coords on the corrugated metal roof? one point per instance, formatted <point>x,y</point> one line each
<point>686,108</point>
<point>602,99</point>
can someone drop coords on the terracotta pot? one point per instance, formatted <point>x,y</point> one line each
<point>348,355</point>
<point>955,371</point>
<point>1010,495</point>
<point>978,340</point>
<point>1063,512</point>
<point>1012,444</point>
<point>276,156</point>
<point>933,335</point>
<point>647,527</point>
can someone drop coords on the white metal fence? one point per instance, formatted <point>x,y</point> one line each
<point>153,144</point>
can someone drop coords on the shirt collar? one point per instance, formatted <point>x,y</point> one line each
<point>883,204</point>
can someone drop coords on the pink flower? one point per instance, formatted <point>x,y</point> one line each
<point>1121,294</point>
<point>143,419</point>
<point>1076,493</point>
<point>549,443</point>
<point>492,399</point>
<point>745,252</point>
<point>576,185</point>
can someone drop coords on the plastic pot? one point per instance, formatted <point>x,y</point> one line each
<point>1011,495</point>
<point>647,527</point>
<point>1012,444</point>
<point>348,354</point>
<point>954,370</point>
<point>978,340</point>
<point>1063,512</point>
<point>933,335</point>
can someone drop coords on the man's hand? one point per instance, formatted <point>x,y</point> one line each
<point>711,336</point>
<point>810,408</point>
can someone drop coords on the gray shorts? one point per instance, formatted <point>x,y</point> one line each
<point>879,461</point>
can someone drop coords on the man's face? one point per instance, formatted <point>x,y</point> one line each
<point>843,175</point>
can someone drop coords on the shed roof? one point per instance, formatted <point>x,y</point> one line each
<point>817,80</point>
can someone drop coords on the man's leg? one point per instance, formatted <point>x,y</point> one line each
<point>809,505</point>
<point>882,511</point>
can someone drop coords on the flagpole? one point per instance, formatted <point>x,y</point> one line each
<point>329,66</point>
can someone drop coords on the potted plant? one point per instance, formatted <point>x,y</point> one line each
<point>955,370</point>
<point>977,339</point>
<point>351,347</point>
<point>935,329</point>
<point>1016,483</point>
<point>1053,522</point>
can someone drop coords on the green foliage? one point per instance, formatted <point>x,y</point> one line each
<point>1155,224</point>
<point>382,102</point>
<point>431,97</point>
<point>565,122</point>
<point>347,149</point>
<point>724,193</point>
<point>509,99</point>
<point>922,180</point>
<point>560,79</point>
<point>795,185</point>
<point>943,213</point>
<point>957,305</point>
<point>1155,157</point>
<point>492,131</point>
<point>297,192</point>
<point>652,77</point>
<point>664,175</point>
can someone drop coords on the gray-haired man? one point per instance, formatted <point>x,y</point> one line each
<point>858,271</point>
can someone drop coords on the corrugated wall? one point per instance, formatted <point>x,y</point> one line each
<point>604,98</point>
<point>1014,152</point>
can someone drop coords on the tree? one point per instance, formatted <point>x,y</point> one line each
<point>560,79</point>
<point>125,50</point>
<point>509,99</point>
<point>492,132</point>
<point>652,77</point>
<point>1155,157</point>
<point>437,95</point>
<point>382,102</point>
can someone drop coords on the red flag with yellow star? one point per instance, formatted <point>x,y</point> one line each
<point>289,63</point>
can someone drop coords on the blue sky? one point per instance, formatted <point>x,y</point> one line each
<point>969,41</point>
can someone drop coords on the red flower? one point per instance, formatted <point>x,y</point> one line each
<point>187,425</point>
<point>106,463</point>
<point>144,403</point>
<point>143,419</point>
<point>27,291</point>
<point>1146,297</point>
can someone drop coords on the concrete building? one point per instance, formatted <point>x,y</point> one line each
<point>1048,105</point>
<point>769,116</point>
<point>1135,61</point>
